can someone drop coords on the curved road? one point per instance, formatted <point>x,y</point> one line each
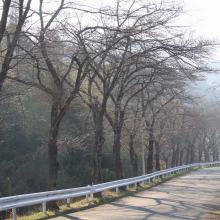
<point>192,196</point>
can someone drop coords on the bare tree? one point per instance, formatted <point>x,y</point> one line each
<point>58,70</point>
<point>11,37</point>
<point>4,18</point>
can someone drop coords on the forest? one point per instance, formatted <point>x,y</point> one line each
<point>91,94</point>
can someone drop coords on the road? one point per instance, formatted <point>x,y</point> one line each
<point>192,196</point>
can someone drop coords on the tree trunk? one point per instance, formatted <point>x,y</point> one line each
<point>181,157</point>
<point>207,159</point>
<point>187,156</point>
<point>201,148</point>
<point>97,156</point>
<point>150,153</point>
<point>192,154</point>
<point>53,162</point>
<point>177,155</point>
<point>52,154</point>
<point>157,146</point>
<point>217,155</point>
<point>117,155</point>
<point>200,154</point>
<point>97,148</point>
<point>133,156</point>
<point>173,157</point>
<point>214,153</point>
<point>117,128</point>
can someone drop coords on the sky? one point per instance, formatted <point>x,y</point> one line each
<point>205,18</point>
<point>205,15</point>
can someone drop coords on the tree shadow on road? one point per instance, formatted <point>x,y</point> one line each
<point>67,216</point>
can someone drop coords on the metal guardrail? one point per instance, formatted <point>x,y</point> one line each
<point>14,202</point>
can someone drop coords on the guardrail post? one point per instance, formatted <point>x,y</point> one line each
<point>149,181</point>
<point>105,193</point>
<point>87,198</point>
<point>135,185</point>
<point>14,213</point>
<point>117,190</point>
<point>142,182</point>
<point>91,191</point>
<point>68,202</point>
<point>44,207</point>
<point>127,187</point>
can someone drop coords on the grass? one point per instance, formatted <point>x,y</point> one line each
<point>81,203</point>
<point>215,214</point>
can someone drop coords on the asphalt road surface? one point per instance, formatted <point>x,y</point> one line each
<point>192,196</point>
